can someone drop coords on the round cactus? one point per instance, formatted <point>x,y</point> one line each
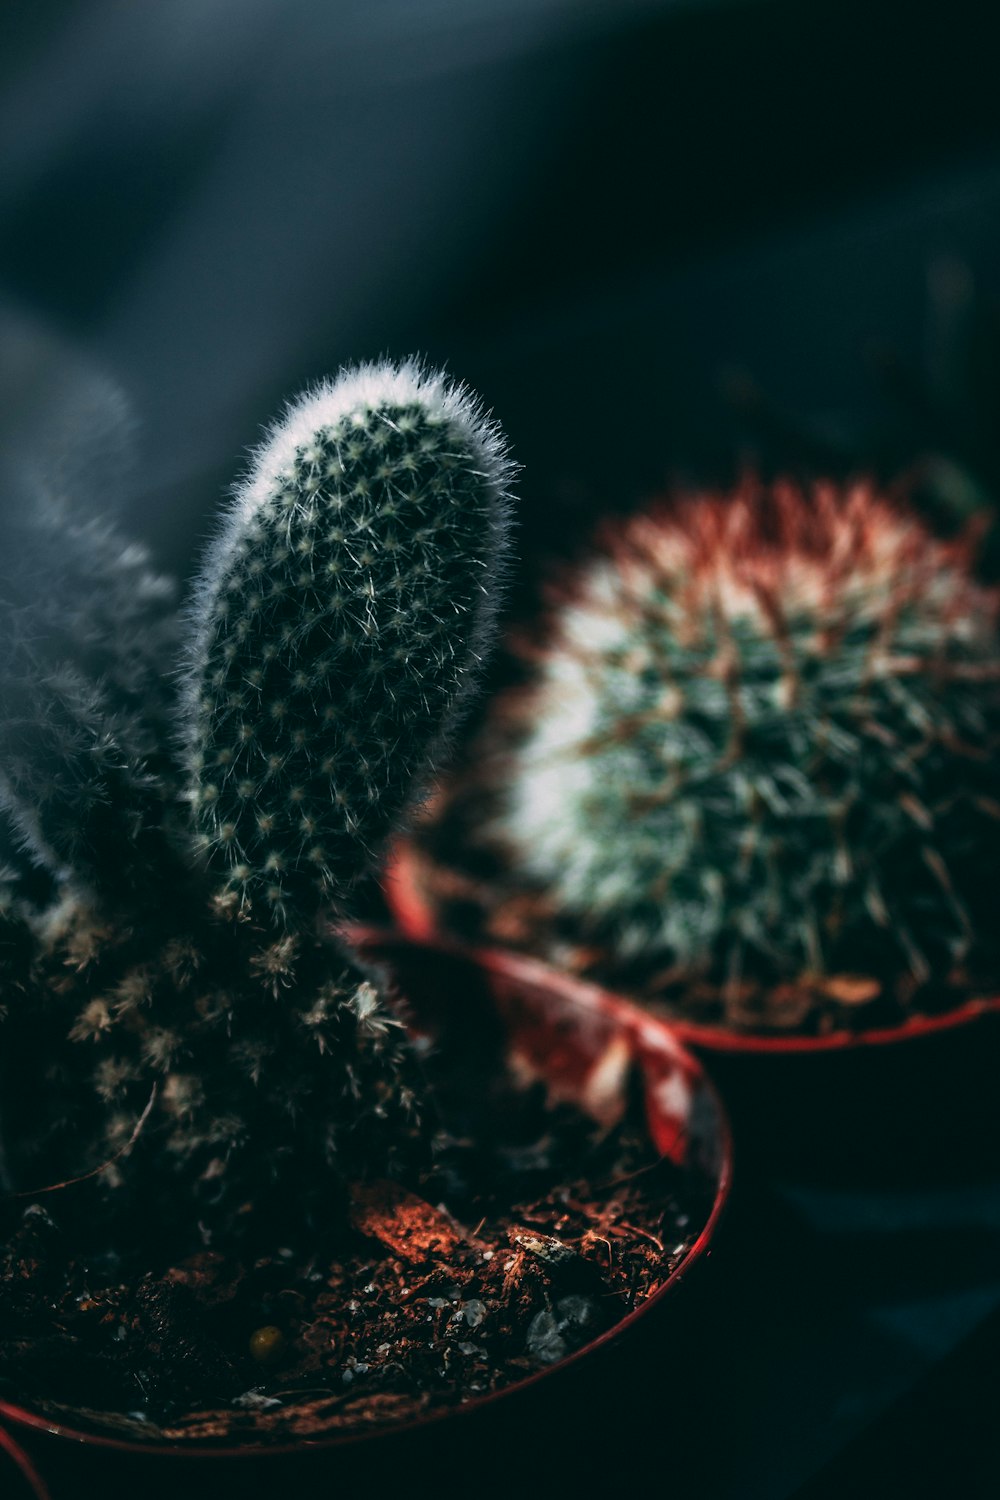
<point>761,740</point>
<point>339,621</point>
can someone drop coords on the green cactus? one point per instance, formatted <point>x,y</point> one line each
<point>339,622</point>
<point>760,741</point>
<point>87,782</point>
<point>199,1025</point>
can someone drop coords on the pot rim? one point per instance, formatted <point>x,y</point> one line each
<point>415,916</point>
<point>724,1039</point>
<point>24,1465</point>
<point>582,995</point>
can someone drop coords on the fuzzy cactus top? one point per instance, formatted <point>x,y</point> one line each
<point>338,624</point>
<point>178,1012</point>
<point>761,738</point>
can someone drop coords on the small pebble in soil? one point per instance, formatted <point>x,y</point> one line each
<point>267,1344</point>
<point>255,1400</point>
<point>557,1331</point>
<point>546,1247</point>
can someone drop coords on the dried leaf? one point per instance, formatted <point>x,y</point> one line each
<point>404,1223</point>
<point>850,989</point>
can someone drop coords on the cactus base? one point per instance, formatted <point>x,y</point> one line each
<point>435,888</point>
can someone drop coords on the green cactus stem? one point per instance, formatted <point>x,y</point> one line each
<point>340,621</point>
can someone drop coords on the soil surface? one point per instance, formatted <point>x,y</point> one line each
<point>535,1231</point>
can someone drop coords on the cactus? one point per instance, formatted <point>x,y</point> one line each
<point>85,622</point>
<point>87,774</point>
<point>205,1029</point>
<point>339,622</point>
<point>760,741</point>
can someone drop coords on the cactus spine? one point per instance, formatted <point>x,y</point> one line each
<point>762,741</point>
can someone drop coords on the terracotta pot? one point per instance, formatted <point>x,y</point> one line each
<point>565,1033</point>
<point>910,1102</point>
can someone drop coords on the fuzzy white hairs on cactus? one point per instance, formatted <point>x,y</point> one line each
<point>338,624</point>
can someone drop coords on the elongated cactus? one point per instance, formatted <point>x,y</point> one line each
<point>339,622</point>
<point>761,740</point>
<point>204,1028</point>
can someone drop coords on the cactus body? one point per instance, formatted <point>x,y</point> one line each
<point>341,617</point>
<point>191,1020</point>
<point>762,740</point>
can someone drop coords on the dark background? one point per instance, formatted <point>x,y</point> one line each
<point>595,211</point>
<point>605,215</point>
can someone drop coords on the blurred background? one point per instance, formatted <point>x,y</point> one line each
<point>663,238</point>
<point>659,236</point>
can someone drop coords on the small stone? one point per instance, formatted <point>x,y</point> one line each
<point>545,1246</point>
<point>544,1342</point>
<point>255,1400</point>
<point>555,1332</point>
<point>267,1344</point>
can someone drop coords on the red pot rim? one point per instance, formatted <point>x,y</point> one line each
<point>723,1039</point>
<point>578,993</point>
<point>415,916</point>
<point>24,1465</point>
